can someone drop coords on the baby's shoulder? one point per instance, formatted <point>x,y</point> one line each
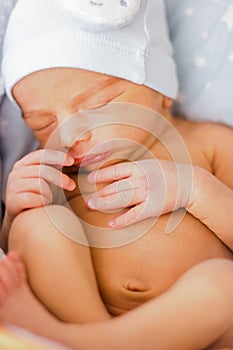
<point>211,141</point>
<point>208,134</point>
<point>213,135</point>
<point>216,143</point>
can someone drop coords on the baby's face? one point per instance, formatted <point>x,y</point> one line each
<point>50,97</point>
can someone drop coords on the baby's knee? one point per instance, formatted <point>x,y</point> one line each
<point>35,228</point>
<point>215,276</point>
<point>217,269</point>
<point>221,271</point>
<point>27,229</point>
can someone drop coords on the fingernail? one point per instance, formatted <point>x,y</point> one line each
<point>69,159</point>
<point>69,184</point>
<point>112,223</point>
<point>90,203</point>
<point>72,185</point>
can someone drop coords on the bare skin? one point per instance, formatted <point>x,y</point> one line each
<point>135,276</point>
<point>173,329</point>
<point>13,288</point>
<point>128,276</point>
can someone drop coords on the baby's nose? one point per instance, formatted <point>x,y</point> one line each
<point>73,131</point>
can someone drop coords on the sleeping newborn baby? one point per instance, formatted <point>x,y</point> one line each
<point>98,98</point>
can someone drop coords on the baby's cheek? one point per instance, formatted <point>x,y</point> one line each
<point>45,139</point>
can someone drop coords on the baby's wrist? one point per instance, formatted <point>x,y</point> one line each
<point>186,174</point>
<point>200,180</point>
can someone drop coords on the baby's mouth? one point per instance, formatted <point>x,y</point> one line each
<point>83,160</point>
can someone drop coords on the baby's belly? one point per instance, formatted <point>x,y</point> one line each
<point>131,274</point>
<point>134,273</point>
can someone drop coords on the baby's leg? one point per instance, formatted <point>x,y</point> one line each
<point>17,303</point>
<point>195,313</point>
<point>59,270</point>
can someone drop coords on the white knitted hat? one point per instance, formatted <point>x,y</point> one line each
<point>123,38</point>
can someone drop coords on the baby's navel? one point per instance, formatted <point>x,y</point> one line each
<point>136,285</point>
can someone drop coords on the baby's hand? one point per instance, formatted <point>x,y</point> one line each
<point>28,183</point>
<point>148,188</point>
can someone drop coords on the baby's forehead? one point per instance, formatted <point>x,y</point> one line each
<point>66,85</point>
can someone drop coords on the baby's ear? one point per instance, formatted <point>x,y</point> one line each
<point>167,102</point>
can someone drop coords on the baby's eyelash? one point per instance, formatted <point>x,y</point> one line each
<point>40,123</point>
<point>43,127</point>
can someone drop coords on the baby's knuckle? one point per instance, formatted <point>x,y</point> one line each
<point>35,185</point>
<point>125,197</point>
<point>124,220</point>
<point>133,215</point>
<point>42,170</point>
<point>24,199</point>
<point>144,185</point>
<point>113,188</point>
<point>116,171</point>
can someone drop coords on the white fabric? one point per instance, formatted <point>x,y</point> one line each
<point>202,37</point>
<point>6,7</point>
<point>5,10</point>
<point>40,35</point>
<point>101,15</point>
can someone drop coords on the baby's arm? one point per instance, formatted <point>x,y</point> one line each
<point>212,201</point>
<point>149,188</point>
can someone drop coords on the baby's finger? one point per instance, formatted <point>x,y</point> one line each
<point>111,173</point>
<point>19,265</point>
<point>8,273</point>
<point>46,173</point>
<point>32,185</point>
<point>56,178</point>
<point>132,216</point>
<point>32,200</point>
<point>50,157</point>
<point>14,255</point>
<point>41,187</point>
<point>120,200</point>
<point>115,188</point>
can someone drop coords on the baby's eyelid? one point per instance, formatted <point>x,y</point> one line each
<point>37,123</point>
<point>38,116</point>
<point>97,106</point>
<point>44,127</point>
